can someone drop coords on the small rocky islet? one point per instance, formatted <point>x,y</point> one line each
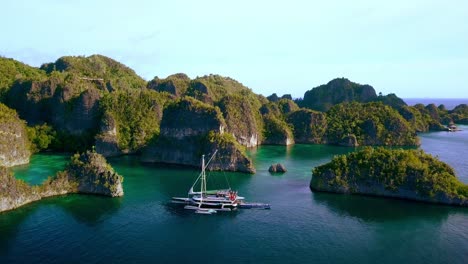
<point>75,103</point>
<point>86,173</point>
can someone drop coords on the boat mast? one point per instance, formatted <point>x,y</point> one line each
<point>203,180</point>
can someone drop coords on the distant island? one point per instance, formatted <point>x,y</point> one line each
<point>404,174</point>
<point>80,103</point>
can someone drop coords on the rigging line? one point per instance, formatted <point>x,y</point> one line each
<point>225,177</point>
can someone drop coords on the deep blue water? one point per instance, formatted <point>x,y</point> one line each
<point>301,227</point>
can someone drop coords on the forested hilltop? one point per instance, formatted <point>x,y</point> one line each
<point>75,103</point>
<point>405,174</point>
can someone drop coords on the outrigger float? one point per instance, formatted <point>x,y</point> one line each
<point>211,201</point>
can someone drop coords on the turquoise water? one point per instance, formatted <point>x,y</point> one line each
<point>40,167</point>
<point>301,227</point>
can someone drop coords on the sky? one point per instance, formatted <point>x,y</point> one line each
<point>416,49</point>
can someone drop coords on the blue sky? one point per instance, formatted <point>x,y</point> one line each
<point>411,48</point>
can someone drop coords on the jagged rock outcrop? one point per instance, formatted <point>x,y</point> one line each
<point>190,128</point>
<point>339,90</point>
<point>280,168</point>
<point>308,126</point>
<point>14,143</point>
<point>404,174</point>
<point>87,173</point>
<point>93,175</point>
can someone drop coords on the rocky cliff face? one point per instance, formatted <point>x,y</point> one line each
<point>107,142</point>
<point>58,102</point>
<point>404,174</point>
<point>87,173</point>
<point>242,120</point>
<point>309,126</point>
<point>14,144</point>
<point>190,128</point>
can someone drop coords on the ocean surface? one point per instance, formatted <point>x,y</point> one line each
<point>449,103</point>
<point>301,227</point>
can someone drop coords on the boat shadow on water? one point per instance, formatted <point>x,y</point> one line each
<point>178,210</point>
<point>378,209</point>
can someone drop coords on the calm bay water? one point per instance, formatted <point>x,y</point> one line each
<point>301,227</point>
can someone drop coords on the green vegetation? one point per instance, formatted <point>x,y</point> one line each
<point>12,187</point>
<point>7,114</point>
<point>215,87</point>
<point>94,175</point>
<point>459,114</point>
<point>434,118</point>
<point>308,126</point>
<point>86,173</point>
<point>176,84</point>
<point>116,75</point>
<point>287,106</point>
<point>418,120</point>
<point>337,91</point>
<point>394,170</point>
<point>137,115</point>
<point>243,119</point>
<point>371,123</point>
<point>277,131</point>
<point>192,114</point>
<point>12,70</point>
<point>41,137</point>
<point>390,100</point>
<point>222,141</point>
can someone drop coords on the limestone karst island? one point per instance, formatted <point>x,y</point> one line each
<point>72,130</point>
<point>234,132</point>
<point>101,108</point>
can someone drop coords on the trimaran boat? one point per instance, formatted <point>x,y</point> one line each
<point>210,201</point>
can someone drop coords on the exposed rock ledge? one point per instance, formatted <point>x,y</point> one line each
<point>403,174</point>
<point>86,173</point>
<point>14,144</point>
